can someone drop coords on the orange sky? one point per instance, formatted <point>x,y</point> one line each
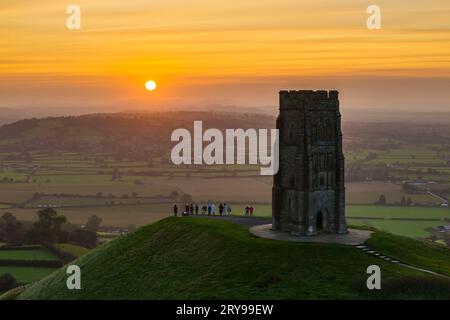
<point>204,52</point>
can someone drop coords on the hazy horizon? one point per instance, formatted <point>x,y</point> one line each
<point>10,115</point>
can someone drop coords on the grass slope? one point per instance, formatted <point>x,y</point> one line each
<point>182,258</point>
<point>34,254</point>
<point>74,250</point>
<point>26,274</point>
<point>417,253</point>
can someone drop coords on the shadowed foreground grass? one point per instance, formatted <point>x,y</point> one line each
<point>183,258</point>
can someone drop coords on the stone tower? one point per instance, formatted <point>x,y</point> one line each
<point>308,194</point>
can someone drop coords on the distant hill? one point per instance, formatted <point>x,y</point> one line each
<point>135,132</point>
<point>195,258</point>
<point>106,131</point>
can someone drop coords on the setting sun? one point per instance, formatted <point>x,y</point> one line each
<point>150,85</point>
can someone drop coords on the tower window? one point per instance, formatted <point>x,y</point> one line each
<point>322,181</point>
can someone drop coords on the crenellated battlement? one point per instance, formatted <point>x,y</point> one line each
<point>309,98</point>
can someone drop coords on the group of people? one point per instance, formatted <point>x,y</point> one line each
<point>249,211</point>
<point>210,209</point>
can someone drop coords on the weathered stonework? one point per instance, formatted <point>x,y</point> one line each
<point>308,194</point>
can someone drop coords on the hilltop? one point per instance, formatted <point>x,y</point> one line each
<point>184,258</point>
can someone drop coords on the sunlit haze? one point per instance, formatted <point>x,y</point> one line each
<point>206,52</point>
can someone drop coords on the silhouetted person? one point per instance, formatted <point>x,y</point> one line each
<point>251,211</point>
<point>191,211</point>
<point>246,210</point>
<point>228,209</point>
<point>204,210</point>
<point>196,209</point>
<point>221,209</point>
<point>175,210</point>
<point>209,209</point>
<point>186,211</point>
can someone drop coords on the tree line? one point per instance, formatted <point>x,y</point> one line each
<point>49,228</point>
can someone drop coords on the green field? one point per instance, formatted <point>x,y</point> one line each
<point>367,211</point>
<point>36,254</point>
<point>4,206</point>
<point>409,228</point>
<point>124,215</point>
<point>180,258</point>
<point>26,274</point>
<point>413,229</point>
<point>87,201</point>
<point>397,212</point>
<point>78,175</point>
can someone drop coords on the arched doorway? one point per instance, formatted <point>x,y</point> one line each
<point>319,221</point>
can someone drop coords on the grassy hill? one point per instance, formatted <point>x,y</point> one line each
<point>183,258</point>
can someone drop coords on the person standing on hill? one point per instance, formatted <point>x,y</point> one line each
<point>213,209</point>
<point>196,209</point>
<point>228,208</point>
<point>209,208</point>
<point>186,211</point>
<point>191,209</point>
<point>221,209</point>
<point>246,210</point>
<point>175,210</point>
<point>251,211</point>
<point>204,210</point>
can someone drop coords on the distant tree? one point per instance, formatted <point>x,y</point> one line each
<point>10,229</point>
<point>403,201</point>
<point>382,200</point>
<point>84,238</point>
<point>36,195</point>
<point>48,227</point>
<point>93,223</point>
